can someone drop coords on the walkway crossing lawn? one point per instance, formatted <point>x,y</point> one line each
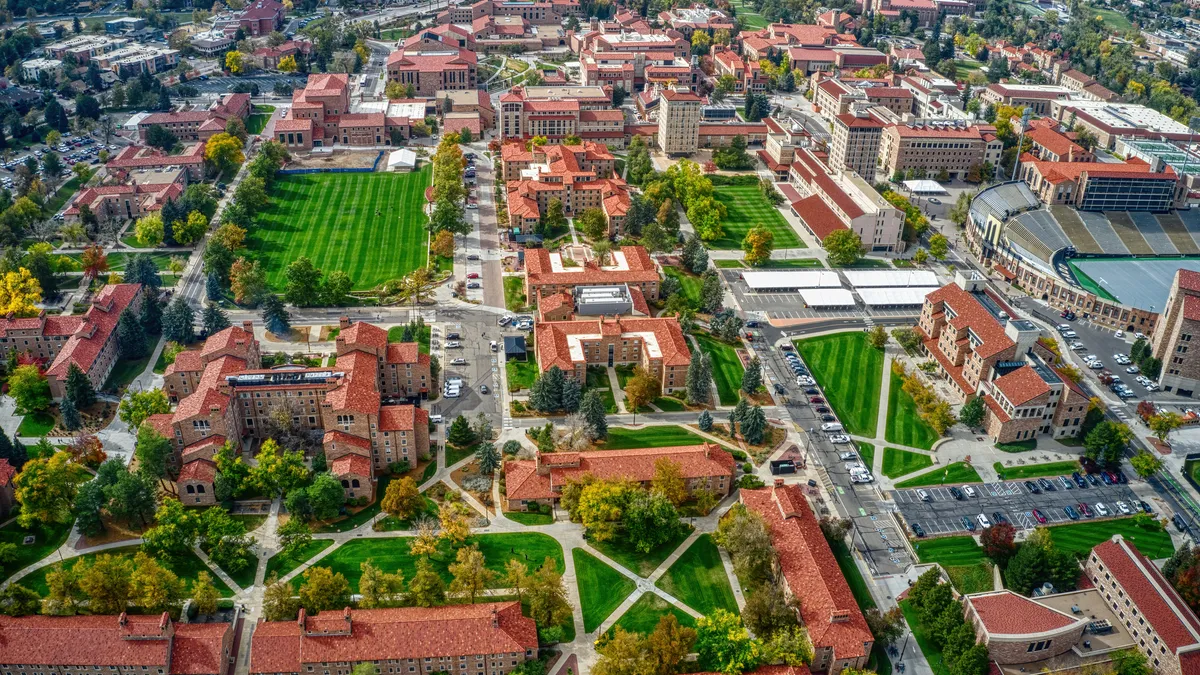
<point>186,567</point>
<point>1036,470</point>
<point>392,554</point>
<point>898,462</point>
<point>597,378</point>
<point>281,563</point>
<point>726,367</point>
<point>698,579</point>
<point>47,537</point>
<point>689,284</point>
<point>951,474</point>
<point>849,371</point>
<point>904,425</point>
<point>601,588</point>
<point>641,564</point>
<point>1079,538</point>
<point>746,208</point>
<point>368,225</point>
<point>643,616</point>
<point>620,438</point>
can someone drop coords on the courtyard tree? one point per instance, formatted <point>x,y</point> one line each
<point>402,500</point>
<point>724,644</point>
<point>640,390</point>
<point>593,223</point>
<point>139,405</point>
<point>488,458</point>
<point>323,589</point>
<point>149,230</point>
<point>752,377</point>
<point>547,596</point>
<point>649,520</point>
<point>204,594</point>
<point>845,247</point>
<point>179,322</point>
<point>758,244</point>
<point>470,573</point>
<point>279,603</point>
<point>939,246</point>
<point>224,152</point>
<point>426,588</point>
<point>377,588</point>
<point>45,489</point>
<point>29,389</point>
<point>592,409</point>
<point>1163,424</point>
<point>668,480</point>
<point>971,414</point>
<point>744,534</point>
<point>877,336</point>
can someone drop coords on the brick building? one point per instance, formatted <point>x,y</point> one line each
<point>1093,186</point>
<point>1036,97</point>
<point>939,146</point>
<point>857,136</point>
<point>679,122</point>
<point>146,193</point>
<point>541,12</point>
<point>657,345</point>
<point>1017,629</point>
<point>580,176</point>
<point>836,626</point>
<point>546,275</point>
<point>135,157</point>
<point>261,17</point>
<point>1171,341</point>
<point>842,200</point>
<point>128,644</point>
<point>199,125</point>
<point>432,63</point>
<point>531,483</point>
<point>560,111</point>
<point>481,639</point>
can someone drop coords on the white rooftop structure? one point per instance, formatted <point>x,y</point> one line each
<point>895,278</point>
<point>925,187</point>
<point>134,120</point>
<point>1129,116</point>
<point>773,281</point>
<point>827,297</point>
<point>402,160</point>
<point>895,297</point>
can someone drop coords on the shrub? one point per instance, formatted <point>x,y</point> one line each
<point>750,482</point>
<point>738,455</point>
<point>748,467</point>
<point>477,484</point>
<point>544,509</point>
<point>400,467</point>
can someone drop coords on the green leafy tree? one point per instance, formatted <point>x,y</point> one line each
<point>29,389</point>
<point>971,414</point>
<point>426,588</point>
<point>845,247</point>
<point>1145,464</point>
<point>139,405</point>
<point>939,246</point>
<point>649,520</point>
<point>178,322</point>
<point>378,588</point>
<point>79,388</point>
<point>325,496</point>
<point>204,594</point>
<point>45,489</point>
<point>724,644</point>
<point>323,589</point>
<point>303,283</point>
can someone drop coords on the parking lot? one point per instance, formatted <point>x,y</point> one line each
<point>943,514</point>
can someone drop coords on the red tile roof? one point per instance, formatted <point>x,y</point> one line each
<point>812,574</point>
<point>1007,613</point>
<point>1145,586</point>
<point>362,333</point>
<point>974,317</point>
<point>234,341</point>
<point>387,634</point>
<point>695,461</point>
<point>204,448</point>
<point>199,470</point>
<point>351,465</point>
<point>1054,141</point>
<point>188,361</point>
<point>538,270</point>
<point>553,347</point>
<point>335,436</point>
<point>1057,172</point>
<point>1021,385</point>
<point>402,418</point>
<point>100,322</point>
<point>818,216</point>
<point>358,392</point>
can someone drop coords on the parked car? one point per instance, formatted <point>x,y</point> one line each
<point>999,517</point>
<point>968,523</point>
<point>1033,488</point>
<point>957,493</point>
<point>1038,516</point>
<point>1101,509</point>
<point>816,399</point>
<point>1084,509</point>
<point>1079,480</point>
<point>1145,507</point>
<point>918,530</point>
<point>983,521</point>
<point>1046,485</point>
<point>970,491</point>
<point>1071,512</point>
<point>1123,508</point>
<point>923,495</point>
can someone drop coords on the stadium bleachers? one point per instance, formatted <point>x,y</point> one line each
<point>1128,233</point>
<point>1178,232</point>
<point>1153,233</point>
<point>1075,230</point>
<point>1104,234</point>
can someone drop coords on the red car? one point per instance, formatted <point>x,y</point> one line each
<point>1037,515</point>
<point>816,399</point>
<point>1084,509</point>
<point>472,275</point>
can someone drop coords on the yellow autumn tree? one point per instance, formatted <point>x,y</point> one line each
<point>234,62</point>
<point>287,64</point>
<point>224,152</point>
<point>19,293</point>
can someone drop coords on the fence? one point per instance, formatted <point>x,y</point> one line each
<point>362,169</point>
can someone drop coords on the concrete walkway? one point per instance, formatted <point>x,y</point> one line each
<point>618,393</point>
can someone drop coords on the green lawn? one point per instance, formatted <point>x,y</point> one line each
<point>597,378</point>
<point>746,208</point>
<point>393,524</point>
<point>350,222</point>
<point>1035,470</point>
<point>514,294</point>
<point>867,452</point>
<point>1079,538</point>
<point>1113,20</point>
<point>854,578</point>
<point>186,567</point>
<point>117,261</point>
<point>455,454</point>
<point>282,564</point>
<point>64,193</point>
<point>1018,446</point>
<point>643,616</point>
<point>637,562</point>
<point>849,369</point>
<point>601,588</point>
<point>897,462</point>
<point>126,371</point>
<point>726,367</point>
<point>620,438</point>
<point>932,654</point>
<point>47,537</point>
<point>689,285</point>
<point>728,264</point>
<point>257,122</point>
<point>396,334</point>
<point>36,425</point>
<point>392,554</point>
<point>958,472</point>
<point>698,578</point>
<point>521,374</point>
<point>669,404</point>
<point>904,424</point>
<point>791,263</point>
<point>969,570</point>
<point>528,518</point>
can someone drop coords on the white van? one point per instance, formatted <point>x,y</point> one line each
<point>831,427</point>
<point>436,419</point>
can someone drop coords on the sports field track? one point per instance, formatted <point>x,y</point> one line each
<point>369,225</point>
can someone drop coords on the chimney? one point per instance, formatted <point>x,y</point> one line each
<point>248,326</point>
<point>778,482</point>
<point>495,618</point>
<point>346,616</point>
<point>300,618</point>
<point>123,619</point>
<point>343,322</point>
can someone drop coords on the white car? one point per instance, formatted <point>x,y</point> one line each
<point>1132,370</point>
<point>923,495</point>
<point>805,381</point>
<point>1096,365</point>
<point>863,476</point>
<point>1142,380</point>
<point>1078,347</point>
<point>848,456</point>
<point>458,362</point>
<point>839,439</point>
<point>1152,387</point>
<point>454,344</point>
<point>1119,334</point>
<point>1139,336</point>
<point>1070,334</point>
<point>1123,508</point>
<point>970,492</point>
<point>983,521</point>
<point>1101,509</point>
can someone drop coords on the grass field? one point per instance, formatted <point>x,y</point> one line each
<point>689,284</point>
<point>1113,20</point>
<point>186,567</point>
<point>514,294</point>
<point>969,570</point>
<point>1035,470</point>
<point>698,578</point>
<point>747,208</point>
<point>282,564</point>
<point>355,223</point>
<point>1079,538</point>
<point>392,554</point>
<point>904,425</point>
<point>527,518</point>
<point>750,19</point>
<point>1090,284</point>
<point>898,462</point>
<point>521,374</point>
<point>643,616</point>
<point>47,537</point>
<point>601,588</point>
<point>36,424</point>
<point>951,474</point>
<point>726,367</point>
<point>396,334</point>
<point>849,369</point>
<point>641,564</point>
<point>597,378</point>
<point>867,452</point>
<point>620,438</point>
<point>118,260</point>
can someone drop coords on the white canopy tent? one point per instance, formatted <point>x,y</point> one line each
<point>884,278</point>
<point>827,297</point>
<point>764,282</point>
<point>911,296</point>
<point>402,160</point>
<point>925,187</point>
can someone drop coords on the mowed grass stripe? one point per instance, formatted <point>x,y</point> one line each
<point>850,373</point>
<point>331,219</point>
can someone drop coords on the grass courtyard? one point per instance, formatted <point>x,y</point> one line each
<point>601,588</point>
<point>969,570</point>
<point>898,462</point>
<point>689,284</point>
<point>1079,538</point>
<point>904,424</point>
<point>368,225</point>
<point>47,537</point>
<point>1036,470</point>
<point>186,567</point>
<point>850,371</point>
<point>620,438</point>
<point>747,207</point>
<point>698,578</point>
<point>727,369</point>
<point>281,563</point>
<point>642,564</point>
<point>951,474</point>
<point>643,616</point>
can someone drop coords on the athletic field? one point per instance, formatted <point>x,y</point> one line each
<point>747,207</point>
<point>369,225</point>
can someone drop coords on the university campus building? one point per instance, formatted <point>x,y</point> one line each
<point>656,345</point>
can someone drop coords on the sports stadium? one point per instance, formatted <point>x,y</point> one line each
<point>1114,267</point>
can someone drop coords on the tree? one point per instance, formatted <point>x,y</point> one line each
<point>64,593</point>
<point>724,644</point>
<point>131,498</point>
<point>19,293</point>
<point>295,534</point>
<point>470,574</point>
<point>705,421</point>
<point>149,230</point>
<point>215,320</point>
<point>45,489</point>
<point>303,283</point>
<point>178,321</point>
<point>547,595</point>
<point>1131,662</point>
<point>878,337</point>
<point>971,414</point>
<point>768,610</point>
<point>138,405</point>
<point>324,589</point>
<point>1163,424</point>
<point>30,389</point>
<point>640,390</point>
<point>455,524</point>
<point>592,410</point>
<point>744,534</point>
<point>150,316</point>
<point>153,452</point>
<point>153,586</point>
<point>699,379</point>
<point>278,603</point>
<point>188,232</point>
<point>142,270</point>
<point>204,594</point>
<point>460,433</point>
<point>378,588</point>
<point>402,500</point>
<point>107,583</point>
<point>649,520</point>
<point>593,223</point>
<point>1107,441</point>
<point>758,244</point>
<point>131,339</point>
<point>17,600</point>
<point>887,627</point>
<point>601,507</point>
<point>712,294</point>
<point>443,244</point>
<point>1145,464</point>
<point>668,481</point>
<point>998,544</point>
<point>844,247</point>
<point>224,152</point>
<point>939,246</point>
<point>275,317</point>
<point>695,256</point>
<point>752,376</point>
<point>754,425</point>
<point>247,281</point>
<point>278,471</point>
<point>93,261</point>
<point>426,589</point>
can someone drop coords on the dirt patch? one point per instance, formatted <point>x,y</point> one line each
<point>471,470</point>
<point>112,532</point>
<point>328,333</point>
<point>297,334</point>
<point>1162,448</point>
<point>334,160</point>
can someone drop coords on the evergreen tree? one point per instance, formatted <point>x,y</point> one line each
<point>212,286</point>
<point>6,448</point>
<point>695,256</point>
<point>275,316</point>
<point>571,396</point>
<point>179,322</point>
<point>131,339</point>
<point>151,315</point>
<point>70,415</point>
<point>712,295</point>
<point>214,320</point>
<point>754,425</point>
<point>546,394</point>
<point>739,414</point>
<point>752,378</point>
<point>142,270</point>
<point>705,422</point>
<point>594,414</point>
<point>699,378</point>
<point>79,387</point>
